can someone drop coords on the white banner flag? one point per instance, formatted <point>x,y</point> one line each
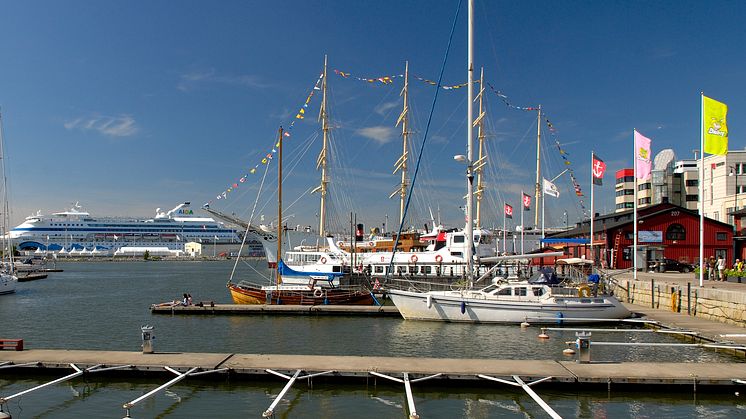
<point>550,189</point>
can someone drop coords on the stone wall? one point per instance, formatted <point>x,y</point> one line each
<point>709,303</point>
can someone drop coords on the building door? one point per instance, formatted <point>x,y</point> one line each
<point>722,253</point>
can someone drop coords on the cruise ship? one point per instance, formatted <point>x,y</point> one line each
<point>76,229</point>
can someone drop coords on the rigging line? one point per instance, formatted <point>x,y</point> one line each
<point>248,225</point>
<point>424,138</point>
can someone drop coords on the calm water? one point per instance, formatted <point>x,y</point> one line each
<point>103,305</point>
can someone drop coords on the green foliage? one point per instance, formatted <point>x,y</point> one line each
<point>146,255</point>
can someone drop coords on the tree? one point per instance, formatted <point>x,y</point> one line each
<point>146,255</point>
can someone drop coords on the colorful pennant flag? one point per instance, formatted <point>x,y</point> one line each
<point>715,126</point>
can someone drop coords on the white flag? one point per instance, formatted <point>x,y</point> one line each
<point>550,188</point>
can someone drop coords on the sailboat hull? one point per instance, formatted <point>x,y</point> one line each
<point>7,284</point>
<point>248,294</point>
<point>453,306</point>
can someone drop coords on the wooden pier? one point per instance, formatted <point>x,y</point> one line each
<point>360,367</point>
<point>259,309</point>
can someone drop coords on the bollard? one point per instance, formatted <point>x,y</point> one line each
<point>584,347</point>
<point>147,339</point>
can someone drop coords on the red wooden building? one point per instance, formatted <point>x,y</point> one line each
<point>664,231</point>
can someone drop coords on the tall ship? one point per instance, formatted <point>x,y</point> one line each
<point>76,229</point>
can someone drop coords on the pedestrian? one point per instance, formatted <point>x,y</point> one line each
<point>185,300</point>
<point>739,265</point>
<point>189,299</point>
<point>721,268</point>
<point>711,268</point>
<point>594,279</point>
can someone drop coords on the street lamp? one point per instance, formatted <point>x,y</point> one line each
<point>735,174</point>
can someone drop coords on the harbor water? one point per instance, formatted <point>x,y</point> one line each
<point>102,306</point>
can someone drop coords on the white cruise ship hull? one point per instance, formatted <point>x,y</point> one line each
<point>453,306</point>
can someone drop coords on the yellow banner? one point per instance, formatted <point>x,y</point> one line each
<point>715,126</point>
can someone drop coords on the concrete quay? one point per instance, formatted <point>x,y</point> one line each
<point>249,366</point>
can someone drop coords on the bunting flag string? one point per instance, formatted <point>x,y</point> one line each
<point>564,155</point>
<point>506,101</point>
<point>266,158</point>
<point>391,78</point>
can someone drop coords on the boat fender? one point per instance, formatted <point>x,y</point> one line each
<point>413,258</point>
<point>438,258</point>
<point>322,260</point>
<point>429,301</point>
<point>317,292</point>
<point>674,301</point>
<point>584,291</point>
<point>463,307</point>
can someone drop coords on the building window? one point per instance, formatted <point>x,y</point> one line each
<point>721,236</point>
<point>692,182</point>
<point>643,201</point>
<point>675,232</point>
<point>643,186</point>
<point>691,198</point>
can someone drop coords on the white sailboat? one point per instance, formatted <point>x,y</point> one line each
<point>500,303</point>
<point>8,280</point>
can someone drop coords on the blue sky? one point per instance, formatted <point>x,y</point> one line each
<point>131,106</point>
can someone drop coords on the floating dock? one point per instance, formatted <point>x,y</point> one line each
<point>247,309</point>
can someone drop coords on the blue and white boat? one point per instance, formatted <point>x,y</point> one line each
<point>75,230</point>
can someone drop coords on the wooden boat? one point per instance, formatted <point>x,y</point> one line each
<point>247,293</point>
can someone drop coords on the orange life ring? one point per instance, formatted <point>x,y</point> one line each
<point>413,258</point>
<point>322,260</point>
<point>438,258</point>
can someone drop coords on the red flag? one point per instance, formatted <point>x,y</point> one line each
<point>526,202</point>
<point>508,211</point>
<point>598,170</point>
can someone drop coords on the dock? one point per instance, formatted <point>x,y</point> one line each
<point>260,309</point>
<point>360,367</point>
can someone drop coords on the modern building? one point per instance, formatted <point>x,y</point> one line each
<point>664,231</point>
<point>724,185</point>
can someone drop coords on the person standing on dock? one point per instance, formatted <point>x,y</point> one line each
<point>721,269</point>
<point>712,267</point>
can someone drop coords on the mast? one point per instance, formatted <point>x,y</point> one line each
<point>479,164</point>
<point>538,191</point>
<point>6,207</point>
<point>401,164</point>
<point>279,206</point>
<point>469,149</point>
<point>321,160</point>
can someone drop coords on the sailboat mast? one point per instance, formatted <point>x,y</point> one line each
<point>538,170</point>
<point>6,206</point>
<point>321,161</point>
<point>401,164</point>
<point>469,149</point>
<point>480,162</point>
<point>279,205</point>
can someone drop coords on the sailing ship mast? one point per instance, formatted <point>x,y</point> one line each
<point>538,192</point>
<point>481,161</point>
<point>401,164</point>
<point>321,160</point>
<point>279,207</point>
<point>7,244</point>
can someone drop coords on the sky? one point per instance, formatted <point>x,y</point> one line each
<point>126,107</point>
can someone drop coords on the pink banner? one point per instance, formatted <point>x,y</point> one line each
<point>643,157</point>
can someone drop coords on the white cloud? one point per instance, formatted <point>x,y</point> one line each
<point>113,126</point>
<point>379,134</point>
<point>189,80</point>
<point>384,107</point>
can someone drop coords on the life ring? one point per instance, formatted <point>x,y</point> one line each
<point>322,260</point>
<point>438,258</point>
<point>370,244</point>
<point>413,258</point>
<point>340,243</point>
<point>674,301</point>
<point>318,293</point>
<point>584,291</point>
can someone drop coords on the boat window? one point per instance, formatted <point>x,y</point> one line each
<point>521,291</point>
<point>476,238</point>
<point>379,269</point>
<point>505,291</point>
<point>538,291</point>
<point>399,269</point>
<point>490,288</point>
<point>413,269</point>
<point>458,239</point>
<point>427,270</point>
<point>459,254</point>
<point>336,268</point>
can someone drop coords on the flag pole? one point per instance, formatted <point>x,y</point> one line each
<point>523,209</point>
<point>593,259</point>
<point>634,218</point>
<point>701,190</point>
<point>542,209</point>
<point>505,233</point>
